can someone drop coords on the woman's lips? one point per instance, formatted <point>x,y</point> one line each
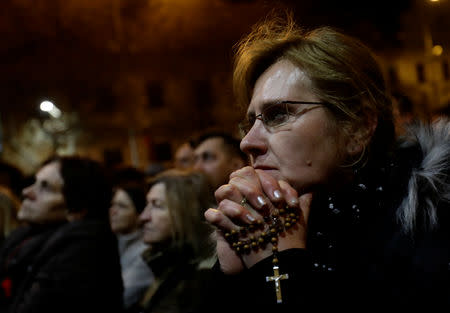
<point>263,167</point>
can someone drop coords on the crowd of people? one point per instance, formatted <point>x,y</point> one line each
<point>88,238</point>
<point>323,204</point>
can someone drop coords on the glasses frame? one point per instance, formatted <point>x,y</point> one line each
<point>245,126</point>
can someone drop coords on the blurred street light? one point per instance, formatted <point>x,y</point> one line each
<point>50,108</point>
<point>437,50</point>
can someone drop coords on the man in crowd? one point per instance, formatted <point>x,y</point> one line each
<point>184,156</point>
<point>217,154</point>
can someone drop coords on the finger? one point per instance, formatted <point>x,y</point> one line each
<point>290,195</point>
<point>239,213</point>
<point>220,220</point>
<point>251,191</point>
<point>305,201</point>
<point>229,192</point>
<point>245,172</point>
<point>270,186</point>
<point>229,215</point>
<point>247,180</point>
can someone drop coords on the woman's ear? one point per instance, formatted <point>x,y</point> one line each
<point>361,135</point>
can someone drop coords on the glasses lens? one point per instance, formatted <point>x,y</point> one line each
<point>275,115</point>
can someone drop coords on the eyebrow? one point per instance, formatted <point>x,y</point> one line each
<point>266,104</point>
<point>274,102</point>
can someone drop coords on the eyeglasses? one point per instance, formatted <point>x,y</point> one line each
<point>277,115</point>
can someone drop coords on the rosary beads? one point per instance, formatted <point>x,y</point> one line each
<point>258,234</point>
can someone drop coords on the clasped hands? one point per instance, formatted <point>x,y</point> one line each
<point>263,194</point>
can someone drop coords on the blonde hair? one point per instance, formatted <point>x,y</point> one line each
<point>188,196</point>
<point>343,71</point>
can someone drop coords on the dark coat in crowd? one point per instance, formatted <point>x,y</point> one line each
<point>71,267</point>
<point>180,283</point>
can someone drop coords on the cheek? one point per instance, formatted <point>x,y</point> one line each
<point>167,224</point>
<point>306,156</point>
<point>129,215</point>
<point>166,227</point>
<point>55,204</point>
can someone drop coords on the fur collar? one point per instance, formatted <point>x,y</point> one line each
<point>429,184</point>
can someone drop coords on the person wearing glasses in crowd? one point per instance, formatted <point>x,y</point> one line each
<point>335,212</point>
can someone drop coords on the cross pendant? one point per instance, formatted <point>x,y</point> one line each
<point>277,279</point>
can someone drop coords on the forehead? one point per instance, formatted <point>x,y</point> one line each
<point>51,173</point>
<point>122,195</point>
<point>157,191</point>
<point>281,81</point>
<point>214,144</point>
<point>184,150</point>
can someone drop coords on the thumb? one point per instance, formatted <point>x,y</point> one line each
<point>305,206</point>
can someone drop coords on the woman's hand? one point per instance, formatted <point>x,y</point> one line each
<point>263,195</point>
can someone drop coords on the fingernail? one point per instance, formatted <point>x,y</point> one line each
<point>250,218</point>
<point>277,194</point>
<point>294,201</point>
<point>261,201</point>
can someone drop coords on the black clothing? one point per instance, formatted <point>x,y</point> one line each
<point>73,267</point>
<point>179,286</point>
<point>360,256</point>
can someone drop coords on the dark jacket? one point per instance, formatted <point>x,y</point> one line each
<point>179,285</point>
<point>72,267</point>
<point>382,243</point>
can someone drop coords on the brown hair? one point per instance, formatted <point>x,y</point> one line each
<point>87,185</point>
<point>188,196</point>
<point>343,71</point>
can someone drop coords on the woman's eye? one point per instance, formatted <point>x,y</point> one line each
<point>157,204</point>
<point>275,116</point>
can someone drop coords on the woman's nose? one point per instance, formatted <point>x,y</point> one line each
<point>28,192</point>
<point>254,142</point>
<point>145,216</point>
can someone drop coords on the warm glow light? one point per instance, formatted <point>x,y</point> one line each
<point>434,0</point>
<point>46,106</point>
<point>437,50</point>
